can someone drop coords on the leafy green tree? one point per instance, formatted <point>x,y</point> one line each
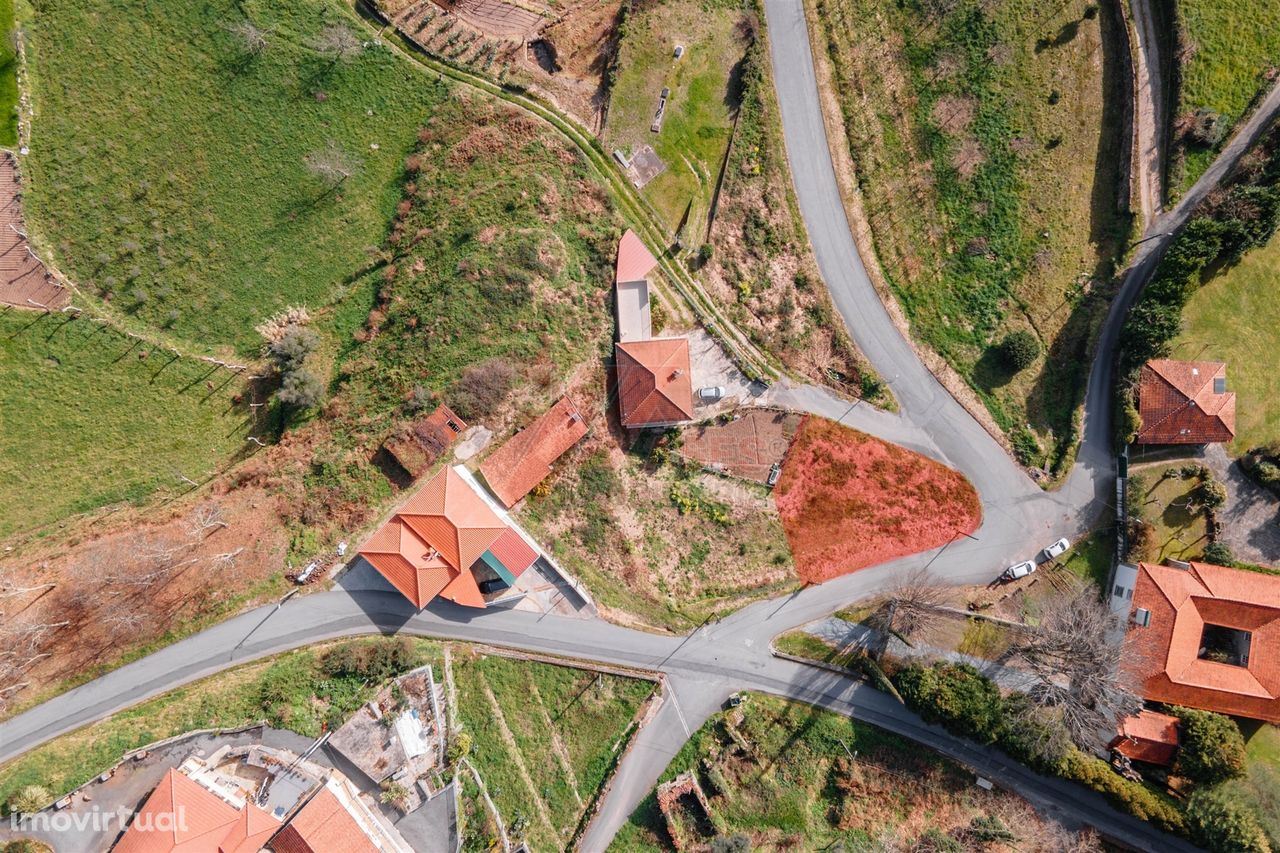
<point>1219,554</point>
<point>1212,748</point>
<point>1222,823</point>
<point>1211,494</point>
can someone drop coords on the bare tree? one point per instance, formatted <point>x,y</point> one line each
<point>1074,655</point>
<point>11,588</point>
<point>21,645</point>
<point>252,38</point>
<point>910,604</point>
<point>337,42</point>
<point>331,164</point>
<point>205,518</point>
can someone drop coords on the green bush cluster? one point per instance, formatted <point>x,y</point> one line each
<point>1219,554</point>
<point>1221,823</point>
<point>375,661</point>
<point>1129,796</point>
<point>963,700</point>
<point>1212,748</point>
<point>1019,350</point>
<point>1262,464</point>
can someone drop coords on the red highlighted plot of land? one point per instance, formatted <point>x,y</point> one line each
<point>849,500</point>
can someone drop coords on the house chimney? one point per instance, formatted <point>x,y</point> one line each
<point>677,373</point>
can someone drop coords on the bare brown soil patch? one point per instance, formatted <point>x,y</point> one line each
<point>746,446</point>
<point>24,281</point>
<point>849,500</point>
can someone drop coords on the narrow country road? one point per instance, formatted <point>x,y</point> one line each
<point>703,668</point>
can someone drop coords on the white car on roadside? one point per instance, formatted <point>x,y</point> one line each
<point>1019,570</point>
<point>1057,549</point>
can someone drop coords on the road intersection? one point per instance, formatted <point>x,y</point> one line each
<point>704,668</point>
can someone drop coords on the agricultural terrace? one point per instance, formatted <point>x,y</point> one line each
<point>201,186</point>
<point>1229,48</point>
<point>987,139</point>
<point>1235,317</point>
<point>849,500</point>
<point>567,733</point>
<point>91,417</point>
<point>698,121</point>
<point>545,738</point>
<point>787,776</point>
<point>657,540</point>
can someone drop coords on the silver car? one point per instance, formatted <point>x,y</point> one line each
<point>1019,570</point>
<point>711,393</point>
<point>1056,549</point>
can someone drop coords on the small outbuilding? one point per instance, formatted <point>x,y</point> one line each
<point>525,460</point>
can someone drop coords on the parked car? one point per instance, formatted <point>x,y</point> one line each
<point>1019,570</point>
<point>775,471</point>
<point>492,585</point>
<point>711,393</point>
<point>1056,549</point>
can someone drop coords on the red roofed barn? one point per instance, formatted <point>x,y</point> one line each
<point>1207,637</point>
<point>1185,402</point>
<point>525,460</point>
<point>654,385</point>
<point>438,542</point>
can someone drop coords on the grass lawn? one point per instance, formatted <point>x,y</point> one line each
<point>167,166</point>
<point>699,115</point>
<point>545,738</point>
<point>8,76</point>
<point>86,422</point>
<point>1179,534</point>
<point>792,777</point>
<point>802,644</point>
<point>1261,788</point>
<point>987,142</point>
<point>1090,558</point>
<point>1235,42</point>
<point>1236,318</point>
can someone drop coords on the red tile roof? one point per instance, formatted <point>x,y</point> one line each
<point>635,261</point>
<point>182,816</point>
<point>429,546</point>
<point>525,460</point>
<point>654,385</point>
<point>513,552</point>
<point>323,825</point>
<point>1148,736</point>
<point>426,440</point>
<point>1164,657</point>
<point>1179,404</point>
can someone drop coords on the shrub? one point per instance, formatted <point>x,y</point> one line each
<point>1033,735</point>
<point>1219,554</point>
<point>1212,749</point>
<point>30,799</point>
<point>1222,824</point>
<point>1128,796</point>
<point>481,388</point>
<point>989,829</point>
<point>1019,349</point>
<point>959,697</point>
<point>1026,447</point>
<point>1211,494</point>
<point>934,840</point>
<point>292,347</point>
<point>738,843</point>
<point>459,747</point>
<point>373,661</point>
<point>301,389</point>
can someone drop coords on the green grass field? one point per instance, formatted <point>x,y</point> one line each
<point>167,166</point>
<point>699,116</point>
<point>84,421</point>
<point>986,141</point>
<point>1235,42</point>
<point>791,777</point>
<point>554,728</point>
<point>8,76</point>
<point>1236,318</point>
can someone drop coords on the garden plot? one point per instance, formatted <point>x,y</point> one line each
<point>748,444</point>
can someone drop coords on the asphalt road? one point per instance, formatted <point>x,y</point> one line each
<point>705,667</point>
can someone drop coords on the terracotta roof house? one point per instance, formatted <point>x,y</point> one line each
<point>1149,737</point>
<point>525,460</point>
<point>1185,402</point>
<point>631,289</point>
<point>326,825</point>
<point>1206,637</point>
<point>438,542</point>
<point>654,384</point>
<point>183,816</point>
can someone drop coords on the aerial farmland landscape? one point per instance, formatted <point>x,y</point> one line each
<point>515,426</point>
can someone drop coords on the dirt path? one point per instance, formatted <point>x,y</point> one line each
<point>557,745</point>
<point>509,739</point>
<point>1150,113</point>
